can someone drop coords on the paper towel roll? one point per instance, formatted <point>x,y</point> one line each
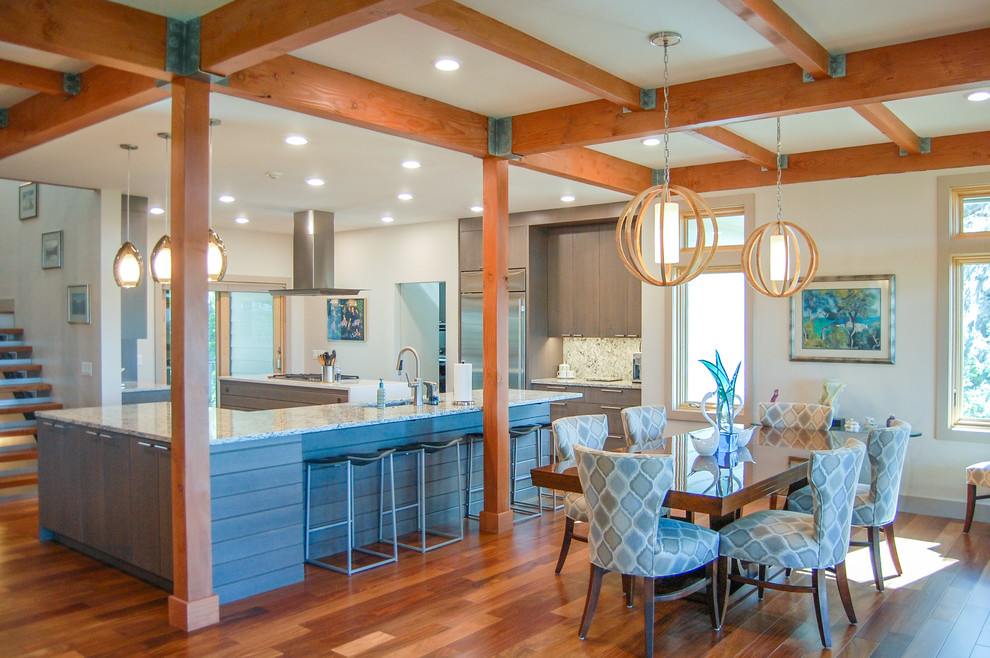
<point>462,382</point>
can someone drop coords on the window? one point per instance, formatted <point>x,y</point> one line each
<point>963,403</point>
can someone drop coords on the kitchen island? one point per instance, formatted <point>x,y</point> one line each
<point>104,480</point>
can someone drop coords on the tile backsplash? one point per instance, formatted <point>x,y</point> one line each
<point>601,357</point>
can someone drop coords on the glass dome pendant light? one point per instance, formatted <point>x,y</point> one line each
<point>127,264</point>
<point>216,255</point>
<point>161,255</point>
<point>669,243</point>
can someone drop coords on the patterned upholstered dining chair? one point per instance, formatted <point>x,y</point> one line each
<point>875,506</point>
<point>590,431</point>
<point>801,415</point>
<point>643,427</point>
<point>977,475</point>
<point>795,540</point>
<point>628,533</point>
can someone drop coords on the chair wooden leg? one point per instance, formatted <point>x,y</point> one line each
<point>714,600</point>
<point>723,586</point>
<point>873,539</point>
<point>821,606</point>
<point>594,589</point>
<point>762,576</point>
<point>628,587</point>
<point>565,543</point>
<point>888,531</point>
<point>842,583</point>
<point>970,506</point>
<point>649,594</point>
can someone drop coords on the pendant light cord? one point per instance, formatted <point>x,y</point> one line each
<point>666,117</point>
<point>127,205</point>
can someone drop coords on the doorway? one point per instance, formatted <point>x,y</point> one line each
<point>423,326</point>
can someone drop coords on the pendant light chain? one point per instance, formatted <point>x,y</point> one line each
<point>779,197</point>
<point>666,116</point>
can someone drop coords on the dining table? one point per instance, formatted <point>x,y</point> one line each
<point>720,485</point>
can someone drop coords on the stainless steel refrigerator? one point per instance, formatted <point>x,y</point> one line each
<point>470,330</point>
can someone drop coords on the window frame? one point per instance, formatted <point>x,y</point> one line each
<point>955,249</point>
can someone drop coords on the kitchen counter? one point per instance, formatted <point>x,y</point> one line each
<point>580,381</point>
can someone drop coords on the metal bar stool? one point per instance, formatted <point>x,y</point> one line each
<point>556,497</point>
<point>420,450</point>
<point>349,462</point>
<point>524,511</point>
<point>470,488</point>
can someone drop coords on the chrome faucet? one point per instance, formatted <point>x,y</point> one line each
<point>416,385</point>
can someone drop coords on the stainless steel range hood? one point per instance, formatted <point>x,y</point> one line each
<point>312,256</point>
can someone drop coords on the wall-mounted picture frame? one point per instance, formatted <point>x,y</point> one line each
<point>77,304</point>
<point>846,319</point>
<point>51,250</point>
<point>347,318</point>
<point>27,198</point>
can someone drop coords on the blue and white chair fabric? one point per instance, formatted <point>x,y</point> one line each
<point>590,431</point>
<point>801,415</point>
<point>643,427</point>
<point>977,475</point>
<point>628,533</point>
<point>875,505</point>
<point>818,540</point>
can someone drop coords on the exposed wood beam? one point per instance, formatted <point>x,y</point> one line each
<point>591,167</point>
<point>97,31</point>
<point>777,27</point>
<point>949,63</point>
<point>35,78</point>
<point>887,122</point>
<point>948,152</point>
<point>106,93</point>
<point>730,141</point>
<point>481,30</point>
<point>302,86</point>
<point>247,32</point>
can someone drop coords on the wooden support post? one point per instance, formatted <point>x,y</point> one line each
<point>193,604</point>
<point>496,517</point>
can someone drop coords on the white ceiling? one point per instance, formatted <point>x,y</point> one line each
<point>362,168</point>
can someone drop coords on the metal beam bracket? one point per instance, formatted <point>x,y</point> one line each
<point>72,83</point>
<point>182,46</point>
<point>836,68</point>
<point>924,146</point>
<point>657,177</point>
<point>3,117</point>
<point>648,99</point>
<point>783,163</point>
<point>500,138</point>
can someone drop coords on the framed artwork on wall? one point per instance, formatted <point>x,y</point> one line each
<point>51,250</point>
<point>27,197</point>
<point>848,319</point>
<point>77,310</point>
<point>347,318</point>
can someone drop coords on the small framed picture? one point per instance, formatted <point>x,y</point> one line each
<point>78,304</point>
<point>346,318</point>
<point>27,195</point>
<point>51,250</point>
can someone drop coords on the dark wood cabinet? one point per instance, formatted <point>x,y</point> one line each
<point>621,292</point>
<point>59,481</point>
<point>470,256</point>
<point>145,506</point>
<point>596,400</point>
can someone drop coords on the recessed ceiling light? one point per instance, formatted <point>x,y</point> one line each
<point>404,196</point>
<point>446,64</point>
<point>225,198</point>
<point>978,96</point>
<point>411,164</point>
<point>315,182</point>
<point>156,210</point>
<point>388,219</point>
<point>241,220</point>
<point>477,209</point>
<point>651,141</point>
<point>567,198</point>
<point>296,140</point>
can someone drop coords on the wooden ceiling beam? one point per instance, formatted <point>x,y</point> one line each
<point>302,86</point>
<point>481,30</point>
<point>730,141</point>
<point>244,33</point>
<point>592,167</point>
<point>97,31</point>
<point>880,116</point>
<point>971,149</point>
<point>777,27</point>
<point>105,93</point>
<point>949,63</point>
<point>35,78</point>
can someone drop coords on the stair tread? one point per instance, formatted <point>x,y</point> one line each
<point>31,430</point>
<point>20,454</point>
<point>18,480</point>
<point>27,367</point>
<point>14,348</point>
<point>11,331</point>
<point>10,386</point>
<point>30,408</point>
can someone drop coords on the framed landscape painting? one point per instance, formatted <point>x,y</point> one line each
<point>347,318</point>
<point>845,319</point>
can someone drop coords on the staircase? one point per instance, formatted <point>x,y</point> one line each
<point>22,393</point>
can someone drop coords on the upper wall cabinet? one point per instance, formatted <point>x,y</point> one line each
<point>470,251</point>
<point>590,292</point>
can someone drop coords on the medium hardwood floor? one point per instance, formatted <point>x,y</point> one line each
<point>490,596</point>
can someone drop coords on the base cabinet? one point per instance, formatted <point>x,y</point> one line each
<point>596,400</point>
<point>150,514</point>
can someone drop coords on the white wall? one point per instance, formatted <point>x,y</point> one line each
<point>376,260</point>
<point>873,225</point>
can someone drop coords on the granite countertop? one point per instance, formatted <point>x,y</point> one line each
<point>153,420</point>
<point>580,381</point>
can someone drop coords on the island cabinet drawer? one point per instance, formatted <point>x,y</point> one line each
<point>564,408</point>
<point>620,397</point>
<point>561,388</point>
